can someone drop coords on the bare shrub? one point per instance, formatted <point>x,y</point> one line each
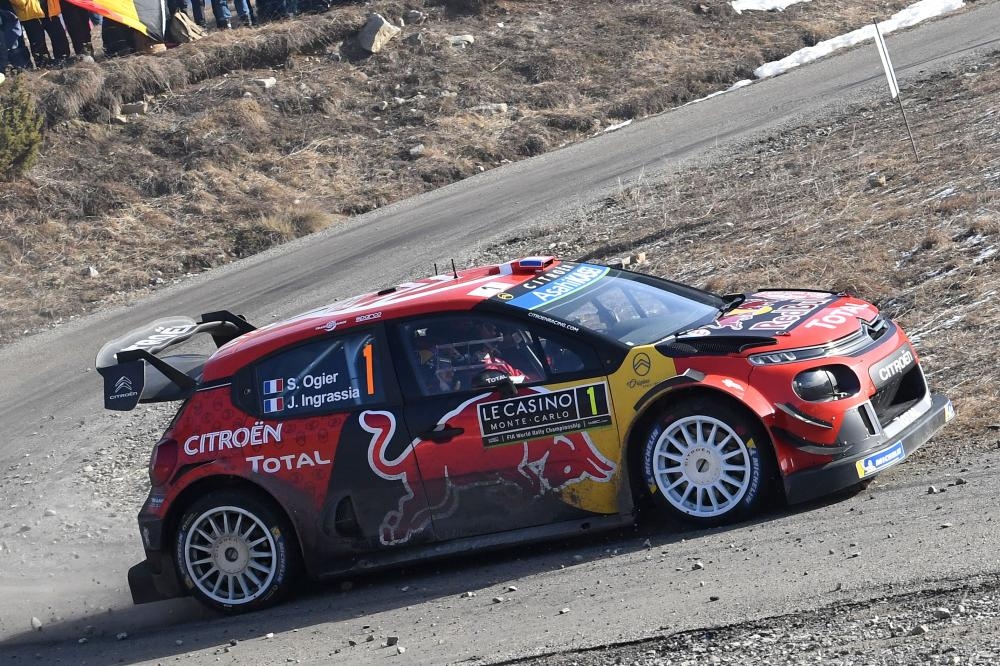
<point>533,144</point>
<point>469,7</point>
<point>20,130</point>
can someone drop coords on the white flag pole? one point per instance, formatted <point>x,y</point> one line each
<point>890,75</point>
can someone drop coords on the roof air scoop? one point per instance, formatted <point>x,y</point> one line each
<point>527,265</point>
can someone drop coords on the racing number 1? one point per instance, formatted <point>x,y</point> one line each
<point>593,401</point>
<point>369,368</point>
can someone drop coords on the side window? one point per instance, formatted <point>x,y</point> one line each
<point>565,356</point>
<point>332,374</point>
<point>448,353</point>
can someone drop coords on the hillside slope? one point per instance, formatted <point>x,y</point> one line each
<point>221,167</point>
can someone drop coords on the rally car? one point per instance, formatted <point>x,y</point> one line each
<point>530,400</point>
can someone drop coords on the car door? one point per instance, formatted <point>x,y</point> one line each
<point>344,453</point>
<point>545,452</point>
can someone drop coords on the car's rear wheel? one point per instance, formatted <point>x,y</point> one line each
<point>235,552</point>
<point>707,462</point>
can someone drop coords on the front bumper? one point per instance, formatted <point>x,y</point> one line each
<point>845,472</point>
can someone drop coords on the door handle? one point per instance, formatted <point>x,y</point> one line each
<point>445,434</point>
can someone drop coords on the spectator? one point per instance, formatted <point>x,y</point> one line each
<point>274,10</point>
<point>38,18</point>
<point>197,6</point>
<point>117,38</point>
<point>12,50</point>
<point>77,20</point>
<point>220,8</point>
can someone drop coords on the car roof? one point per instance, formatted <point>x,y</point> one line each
<point>458,291</point>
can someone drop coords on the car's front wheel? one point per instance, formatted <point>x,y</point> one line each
<point>235,552</point>
<point>707,462</point>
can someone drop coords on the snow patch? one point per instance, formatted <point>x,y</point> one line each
<point>612,128</point>
<point>985,254</point>
<point>762,5</point>
<point>735,86</point>
<point>915,13</point>
<point>943,194</point>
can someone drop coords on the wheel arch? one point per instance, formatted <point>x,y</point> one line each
<point>215,482</point>
<point>753,405</point>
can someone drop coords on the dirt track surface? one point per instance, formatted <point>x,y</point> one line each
<point>86,468</point>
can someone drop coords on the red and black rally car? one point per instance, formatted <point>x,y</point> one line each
<point>504,404</point>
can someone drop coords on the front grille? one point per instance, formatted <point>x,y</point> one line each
<point>860,340</point>
<point>899,395</point>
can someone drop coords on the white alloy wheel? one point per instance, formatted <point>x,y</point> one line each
<point>702,466</point>
<point>230,555</point>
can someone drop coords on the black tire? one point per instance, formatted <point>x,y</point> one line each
<point>693,484</point>
<point>252,550</point>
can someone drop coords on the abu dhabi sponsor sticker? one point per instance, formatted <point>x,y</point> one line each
<point>544,414</point>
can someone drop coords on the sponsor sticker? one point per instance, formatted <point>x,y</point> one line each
<point>288,462</point>
<point>547,319</point>
<point>774,311</point>
<point>123,384</point>
<point>555,283</point>
<point>258,434</point>
<point>331,325</point>
<point>544,414</point>
<point>489,289</point>
<point>160,335</point>
<point>949,412</point>
<point>879,461</point>
<point>641,364</point>
<point>892,366</point>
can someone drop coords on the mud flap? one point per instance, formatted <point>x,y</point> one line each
<point>147,585</point>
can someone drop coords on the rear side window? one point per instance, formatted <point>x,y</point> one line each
<point>333,374</point>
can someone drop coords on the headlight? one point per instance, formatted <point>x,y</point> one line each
<point>787,356</point>
<point>828,382</point>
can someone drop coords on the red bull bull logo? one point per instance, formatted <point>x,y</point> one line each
<point>748,310</point>
<point>432,488</point>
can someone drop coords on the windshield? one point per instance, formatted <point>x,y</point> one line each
<point>632,308</point>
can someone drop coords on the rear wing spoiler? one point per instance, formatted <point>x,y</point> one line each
<point>133,372</point>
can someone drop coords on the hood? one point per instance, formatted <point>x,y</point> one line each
<point>779,319</point>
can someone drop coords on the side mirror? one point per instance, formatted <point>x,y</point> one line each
<point>496,380</point>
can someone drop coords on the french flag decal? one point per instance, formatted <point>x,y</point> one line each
<point>274,386</point>
<point>274,404</point>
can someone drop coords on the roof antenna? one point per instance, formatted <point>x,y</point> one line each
<point>453,271</point>
<point>435,269</point>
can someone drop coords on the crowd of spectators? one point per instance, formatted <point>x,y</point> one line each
<point>40,33</point>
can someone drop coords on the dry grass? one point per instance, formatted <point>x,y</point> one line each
<point>208,175</point>
<point>804,208</point>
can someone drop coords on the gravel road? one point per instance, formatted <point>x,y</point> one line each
<point>852,579</point>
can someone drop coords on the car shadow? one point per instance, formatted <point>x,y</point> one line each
<point>352,598</point>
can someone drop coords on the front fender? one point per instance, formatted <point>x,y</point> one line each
<point>690,382</point>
